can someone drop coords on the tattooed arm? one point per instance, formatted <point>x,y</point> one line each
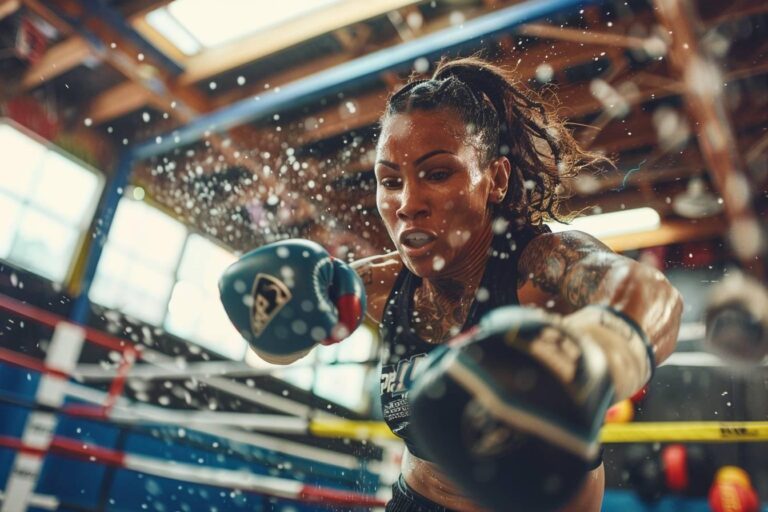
<point>569,270</point>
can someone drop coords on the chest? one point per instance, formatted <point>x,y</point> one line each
<point>437,318</point>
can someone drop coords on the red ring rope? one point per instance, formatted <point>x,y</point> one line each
<point>271,486</point>
<point>52,320</point>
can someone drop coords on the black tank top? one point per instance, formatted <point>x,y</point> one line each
<point>403,350</point>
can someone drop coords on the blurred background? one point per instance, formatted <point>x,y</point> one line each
<point>146,144</point>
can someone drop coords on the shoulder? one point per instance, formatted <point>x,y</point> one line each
<point>378,274</point>
<point>563,242</point>
<point>549,260</point>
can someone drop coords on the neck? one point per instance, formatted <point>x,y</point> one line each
<point>465,277</point>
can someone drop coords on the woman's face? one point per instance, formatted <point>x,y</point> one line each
<point>431,191</point>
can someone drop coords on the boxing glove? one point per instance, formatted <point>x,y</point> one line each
<point>732,491</point>
<point>629,354</point>
<point>288,296</point>
<point>736,319</point>
<point>511,411</point>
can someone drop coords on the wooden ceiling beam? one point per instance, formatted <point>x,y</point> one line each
<point>354,38</point>
<point>42,10</point>
<point>279,79</point>
<point>8,8</point>
<point>716,135</point>
<point>59,59</point>
<point>158,40</point>
<point>337,119</point>
<point>320,64</point>
<point>547,31</point>
<point>140,8</point>
<point>576,101</point>
<point>732,11</point>
<point>248,49</point>
<point>371,104</point>
<point>160,89</point>
<point>118,101</point>
<point>163,91</point>
<point>525,61</point>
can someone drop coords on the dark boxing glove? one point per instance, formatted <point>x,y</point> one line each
<point>511,411</point>
<point>288,296</point>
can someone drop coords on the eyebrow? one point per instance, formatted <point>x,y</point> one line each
<point>419,160</point>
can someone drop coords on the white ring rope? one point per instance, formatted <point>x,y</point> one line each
<point>292,448</point>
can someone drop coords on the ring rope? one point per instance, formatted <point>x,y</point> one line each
<point>686,431</point>
<point>681,431</point>
<point>218,477</point>
<point>640,432</point>
<point>52,320</point>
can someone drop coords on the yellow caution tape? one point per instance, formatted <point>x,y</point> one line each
<point>641,432</point>
<point>351,429</point>
<point>685,431</point>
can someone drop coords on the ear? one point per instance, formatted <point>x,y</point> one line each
<point>499,169</point>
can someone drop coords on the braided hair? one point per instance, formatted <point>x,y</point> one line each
<point>504,118</point>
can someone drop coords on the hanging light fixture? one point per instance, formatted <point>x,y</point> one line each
<point>697,201</point>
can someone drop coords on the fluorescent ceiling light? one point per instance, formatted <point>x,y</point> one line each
<point>603,225</point>
<point>229,20</point>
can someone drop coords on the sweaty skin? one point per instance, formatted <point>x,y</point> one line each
<point>430,180</point>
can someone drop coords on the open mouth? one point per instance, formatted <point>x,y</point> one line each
<point>416,239</point>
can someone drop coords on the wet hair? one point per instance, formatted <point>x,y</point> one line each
<point>505,119</point>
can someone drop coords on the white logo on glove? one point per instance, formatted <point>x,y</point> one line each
<point>269,296</point>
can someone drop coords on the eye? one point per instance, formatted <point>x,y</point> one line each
<point>390,182</point>
<point>438,175</point>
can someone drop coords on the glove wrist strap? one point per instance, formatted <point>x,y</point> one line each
<point>628,352</point>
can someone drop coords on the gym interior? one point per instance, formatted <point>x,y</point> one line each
<point>147,144</point>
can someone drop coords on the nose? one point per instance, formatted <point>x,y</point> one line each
<point>412,204</point>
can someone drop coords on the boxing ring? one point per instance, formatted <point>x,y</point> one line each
<point>65,445</point>
<point>68,446</point>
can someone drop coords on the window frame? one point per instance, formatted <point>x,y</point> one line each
<point>27,203</point>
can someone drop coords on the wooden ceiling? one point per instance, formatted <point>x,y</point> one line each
<point>111,81</point>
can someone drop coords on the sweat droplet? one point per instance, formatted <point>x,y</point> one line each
<point>544,73</point>
<point>421,65</point>
<point>438,263</point>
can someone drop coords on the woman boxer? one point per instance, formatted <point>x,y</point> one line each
<point>468,167</point>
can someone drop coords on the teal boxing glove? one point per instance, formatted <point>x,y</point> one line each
<point>286,297</point>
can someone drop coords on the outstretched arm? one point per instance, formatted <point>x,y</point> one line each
<point>570,270</point>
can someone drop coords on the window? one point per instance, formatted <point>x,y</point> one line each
<point>136,272</point>
<point>195,311</point>
<point>338,372</point>
<point>47,200</point>
<point>343,372</point>
<point>152,268</point>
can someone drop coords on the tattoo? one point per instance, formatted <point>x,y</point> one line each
<point>438,317</point>
<point>569,265</point>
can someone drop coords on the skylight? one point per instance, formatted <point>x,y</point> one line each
<point>193,25</point>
